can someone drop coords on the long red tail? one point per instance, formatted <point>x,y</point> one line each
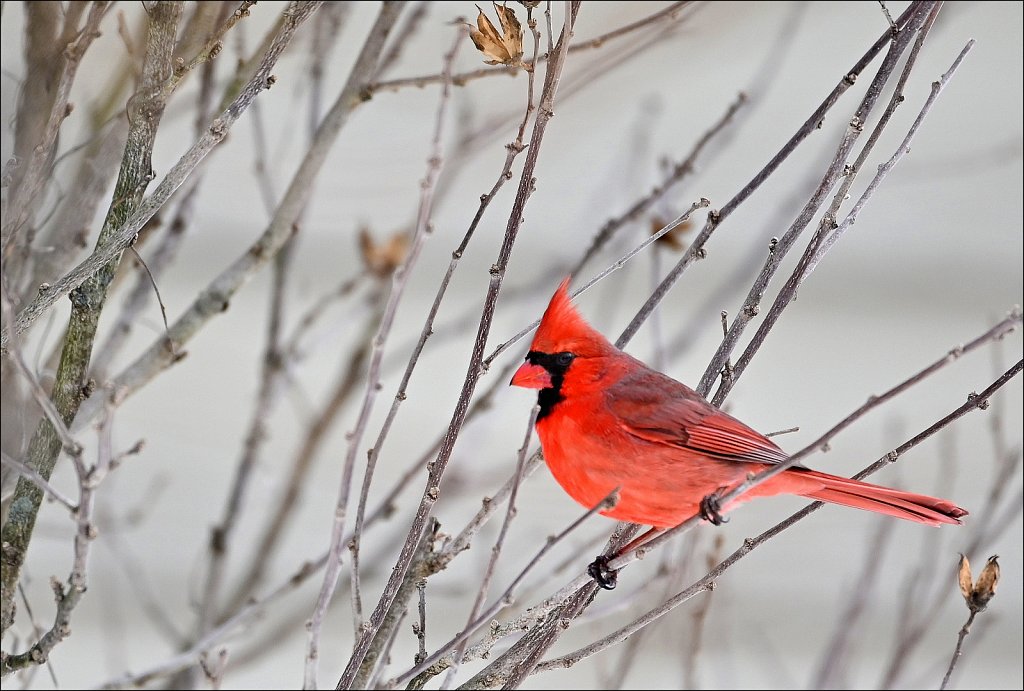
<point>892,502</point>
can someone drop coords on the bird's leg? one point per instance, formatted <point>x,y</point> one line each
<point>711,509</point>
<point>606,577</point>
<point>602,575</point>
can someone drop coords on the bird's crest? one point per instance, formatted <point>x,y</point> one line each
<point>563,328</point>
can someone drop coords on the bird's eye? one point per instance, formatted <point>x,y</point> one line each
<point>564,359</point>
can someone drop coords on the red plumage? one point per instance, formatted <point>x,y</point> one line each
<point>607,420</point>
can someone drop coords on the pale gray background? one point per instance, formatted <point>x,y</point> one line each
<point>934,259</point>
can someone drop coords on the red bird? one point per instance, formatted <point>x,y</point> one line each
<point>608,421</point>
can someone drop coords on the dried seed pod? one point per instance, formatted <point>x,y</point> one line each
<point>505,48</point>
<point>382,259</point>
<point>977,594</point>
<point>985,588</point>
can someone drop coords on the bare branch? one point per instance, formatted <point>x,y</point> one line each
<point>365,66</point>
<point>485,582</point>
<point>33,173</point>
<point>428,189</point>
<point>71,386</point>
<point>124,235</point>
<point>440,659</point>
<point>615,266</point>
<point>526,186</point>
<point>210,49</point>
<point>677,173</point>
<point>43,484</point>
<point>670,13</point>
<point>68,597</point>
<point>715,218</point>
<point>818,244</point>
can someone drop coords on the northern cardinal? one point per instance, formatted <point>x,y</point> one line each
<point>608,421</point>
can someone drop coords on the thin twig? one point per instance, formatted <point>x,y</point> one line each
<point>436,469</point>
<point>701,203</point>
<point>699,618</point>
<point>715,218</point>
<point>69,596</point>
<point>992,520</point>
<point>412,23</point>
<point>958,651</point>
<point>420,232</point>
<point>677,173</point>
<point>41,482</point>
<point>34,173</point>
<point>293,350</point>
<point>819,243</point>
<point>839,172</point>
<point>834,655</point>
<point>885,168</point>
<point>295,14</point>
<point>210,49</point>
<point>434,664</point>
<point>485,582</point>
<point>156,290</point>
<point>134,576</point>
<point>421,629</point>
<point>365,64</point>
<point>667,14</point>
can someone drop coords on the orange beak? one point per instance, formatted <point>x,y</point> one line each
<point>531,376</point>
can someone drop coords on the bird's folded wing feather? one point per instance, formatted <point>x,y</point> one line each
<point>659,409</point>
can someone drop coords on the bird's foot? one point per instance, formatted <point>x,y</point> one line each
<point>602,575</point>
<point>711,509</point>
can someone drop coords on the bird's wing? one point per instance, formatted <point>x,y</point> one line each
<point>659,409</point>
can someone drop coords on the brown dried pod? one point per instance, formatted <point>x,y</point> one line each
<point>977,594</point>
<point>505,48</point>
<point>964,578</point>
<point>673,239</point>
<point>383,258</point>
<point>985,588</point>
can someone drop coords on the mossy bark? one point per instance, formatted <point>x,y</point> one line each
<point>145,110</point>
